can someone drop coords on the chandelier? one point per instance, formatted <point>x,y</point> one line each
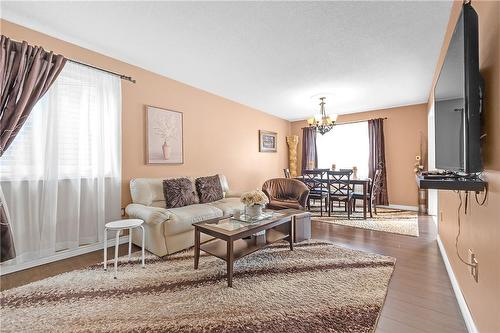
<point>322,122</point>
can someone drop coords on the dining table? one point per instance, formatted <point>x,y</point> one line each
<point>363,182</point>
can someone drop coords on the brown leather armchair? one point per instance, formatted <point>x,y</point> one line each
<point>286,193</point>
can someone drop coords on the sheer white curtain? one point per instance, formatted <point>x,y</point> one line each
<point>61,176</point>
<point>346,146</point>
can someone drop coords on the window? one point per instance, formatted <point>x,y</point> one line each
<point>68,121</point>
<point>345,146</point>
<point>61,176</point>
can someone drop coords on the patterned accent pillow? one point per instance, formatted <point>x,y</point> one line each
<point>209,189</point>
<point>178,192</point>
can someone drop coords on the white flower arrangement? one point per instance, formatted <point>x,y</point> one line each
<point>252,198</point>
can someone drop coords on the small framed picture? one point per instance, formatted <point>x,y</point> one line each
<point>268,141</point>
<point>164,136</point>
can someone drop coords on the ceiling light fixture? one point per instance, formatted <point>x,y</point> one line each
<point>322,122</point>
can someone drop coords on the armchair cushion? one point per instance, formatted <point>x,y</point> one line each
<point>286,192</point>
<point>284,204</point>
<point>150,215</point>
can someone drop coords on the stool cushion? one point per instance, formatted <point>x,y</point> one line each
<point>124,224</point>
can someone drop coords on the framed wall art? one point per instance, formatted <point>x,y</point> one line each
<point>268,141</point>
<point>164,130</point>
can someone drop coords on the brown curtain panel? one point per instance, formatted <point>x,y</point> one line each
<point>376,158</point>
<point>26,73</point>
<point>309,149</point>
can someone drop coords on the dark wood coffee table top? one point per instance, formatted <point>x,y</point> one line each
<point>246,229</point>
<point>230,245</point>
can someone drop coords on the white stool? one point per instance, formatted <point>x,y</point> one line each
<point>119,226</point>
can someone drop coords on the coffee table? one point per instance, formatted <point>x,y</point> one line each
<point>235,239</point>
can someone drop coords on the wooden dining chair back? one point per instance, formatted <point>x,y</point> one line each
<point>339,189</point>
<point>315,181</point>
<point>287,173</point>
<point>376,188</point>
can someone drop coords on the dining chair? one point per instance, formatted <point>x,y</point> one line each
<point>352,186</point>
<point>361,196</point>
<point>339,189</point>
<point>315,181</point>
<point>287,173</point>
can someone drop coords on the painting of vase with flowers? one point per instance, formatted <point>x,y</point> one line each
<point>164,136</point>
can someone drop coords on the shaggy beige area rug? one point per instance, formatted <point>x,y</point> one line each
<point>395,221</point>
<point>318,287</point>
<point>403,222</point>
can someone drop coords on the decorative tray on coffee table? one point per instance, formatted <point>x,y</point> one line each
<point>254,219</point>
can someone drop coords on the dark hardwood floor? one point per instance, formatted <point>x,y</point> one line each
<point>420,296</point>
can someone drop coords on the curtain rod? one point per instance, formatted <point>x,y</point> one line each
<point>358,121</point>
<point>121,76</point>
<point>354,122</point>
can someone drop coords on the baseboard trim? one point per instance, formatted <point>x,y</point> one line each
<point>435,220</point>
<point>469,321</point>
<point>403,207</point>
<point>7,269</point>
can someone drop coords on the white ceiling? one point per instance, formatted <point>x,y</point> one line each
<point>272,56</point>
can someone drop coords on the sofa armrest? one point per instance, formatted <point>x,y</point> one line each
<point>150,215</point>
<point>230,194</point>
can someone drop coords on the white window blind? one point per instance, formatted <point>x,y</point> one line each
<point>73,112</point>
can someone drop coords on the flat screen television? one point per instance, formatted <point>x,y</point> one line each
<point>458,99</point>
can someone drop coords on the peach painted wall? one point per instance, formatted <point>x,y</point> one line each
<point>220,136</point>
<point>402,130</point>
<point>481,226</point>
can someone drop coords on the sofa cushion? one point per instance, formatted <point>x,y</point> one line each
<point>149,191</point>
<point>228,205</point>
<point>178,192</point>
<point>182,218</point>
<point>209,189</point>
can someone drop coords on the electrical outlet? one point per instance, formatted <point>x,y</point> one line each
<point>123,211</point>
<point>474,269</point>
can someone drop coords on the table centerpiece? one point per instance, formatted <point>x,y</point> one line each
<point>254,202</point>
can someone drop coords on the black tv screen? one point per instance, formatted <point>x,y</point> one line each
<point>458,99</point>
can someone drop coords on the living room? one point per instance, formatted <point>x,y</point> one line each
<point>215,100</point>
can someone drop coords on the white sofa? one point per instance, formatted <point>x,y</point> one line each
<point>170,230</point>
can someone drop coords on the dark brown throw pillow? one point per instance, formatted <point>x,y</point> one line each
<point>209,188</point>
<point>178,192</point>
